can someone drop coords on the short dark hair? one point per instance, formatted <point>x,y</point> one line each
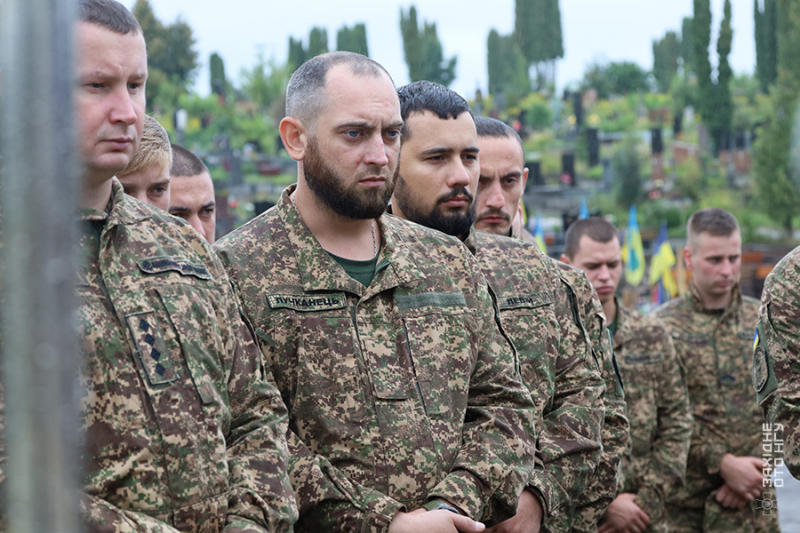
<point>424,95</point>
<point>491,127</point>
<point>185,163</point>
<point>712,220</point>
<point>108,14</point>
<point>305,94</point>
<point>596,228</point>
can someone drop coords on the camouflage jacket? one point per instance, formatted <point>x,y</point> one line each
<point>658,408</point>
<point>399,392</point>
<point>539,313</point>
<point>590,507</point>
<point>182,430</point>
<point>715,348</point>
<point>776,358</point>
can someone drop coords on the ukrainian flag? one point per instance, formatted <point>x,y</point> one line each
<point>661,267</point>
<point>633,251</point>
<point>539,234</point>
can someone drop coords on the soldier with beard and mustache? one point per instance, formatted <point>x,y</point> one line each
<point>541,311</point>
<point>406,406</point>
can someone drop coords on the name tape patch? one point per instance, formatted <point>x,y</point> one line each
<point>159,265</point>
<point>517,301</point>
<point>307,302</point>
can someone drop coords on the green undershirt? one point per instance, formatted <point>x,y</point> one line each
<point>361,271</point>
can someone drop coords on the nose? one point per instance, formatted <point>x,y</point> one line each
<point>376,152</point>
<point>459,176</point>
<point>727,269</point>
<point>194,221</point>
<point>494,196</point>
<point>603,273</point>
<point>124,109</point>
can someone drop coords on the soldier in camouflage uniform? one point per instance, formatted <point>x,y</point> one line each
<point>500,188</point>
<point>655,389</point>
<point>406,405</point>
<point>712,329</point>
<point>182,429</point>
<point>776,358</point>
<point>537,308</point>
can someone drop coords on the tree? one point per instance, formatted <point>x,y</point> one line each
<point>714,99</point>
<point>766,34</point>
<point>297,53</point>
<point>627,168</point>
<point>423,51</point>
<point>686,46</point>
<point>265,85</point>
<point>317,42</point>
<point>217,68</point>
<point>353,39</point>
<point>507,68</point>
<point>171,55</point>
<point>777,183</point>
<point>615,78</point>
<point>538,33</point>
<point>666,53</point>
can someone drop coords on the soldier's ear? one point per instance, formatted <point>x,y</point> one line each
<point>564,259</point>
<point>687,258</point>
<point>294,136</point>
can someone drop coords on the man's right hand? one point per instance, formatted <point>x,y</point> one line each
<point>743,475</point>
<point>440,521</point>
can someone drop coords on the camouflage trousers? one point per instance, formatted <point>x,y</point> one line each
<point>758,517</point>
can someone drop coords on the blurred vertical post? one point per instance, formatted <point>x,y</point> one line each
<point>39,188</point>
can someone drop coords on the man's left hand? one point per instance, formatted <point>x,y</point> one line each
<point>528,518</point>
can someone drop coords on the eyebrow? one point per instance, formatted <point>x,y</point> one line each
<point>512,174</point>
<point>160,182</point>
<point>367,125</point>
<point>209,204</point>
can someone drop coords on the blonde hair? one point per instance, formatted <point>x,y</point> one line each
<point>154,149</point>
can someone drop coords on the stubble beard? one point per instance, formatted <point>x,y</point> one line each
<point>348,201</point>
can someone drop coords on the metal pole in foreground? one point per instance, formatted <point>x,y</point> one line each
<point>40,180</point>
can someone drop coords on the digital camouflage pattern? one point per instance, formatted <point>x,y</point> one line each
<point>589,508</point>
<point>539,313</point>
<point>716,350</point>
<point>776,357</point>
<point>659,412</point>
<point>399,392</point>
<point>181,430</point>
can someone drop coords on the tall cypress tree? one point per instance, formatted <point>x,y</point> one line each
<point>766,36</point>
<point>777,179</point>
<point>423,51</point>
<point>353,39</point>
<point>317,42</point>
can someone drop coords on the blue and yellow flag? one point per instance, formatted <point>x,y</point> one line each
<point>633,251</point>
<point>539,234</point>
<point>661,267</point>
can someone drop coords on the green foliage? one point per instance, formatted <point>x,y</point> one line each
<point>353,39</point>
<point>766,35</point>
<point>627,168</point>
<point>217,68</point>
<point>686,46</point>
<point>690,179</point>
<point>265,85</point>
<point>239,124</point>
<point>171,55</point>
<point>714,99</point>
<point>317,42</point>
<point>750,107</point>
<point>539,114</point>
<point>423,51</point>
<point>616,115</point>
<point>666,53</point>
<point>615,79</point>
<point>777,194</point>
<point>537,30</point>
<point>508,72</point>
<point>684,93</point>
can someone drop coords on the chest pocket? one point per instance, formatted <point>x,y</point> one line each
<point>441,340</point>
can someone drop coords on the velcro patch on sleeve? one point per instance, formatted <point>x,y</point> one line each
<point>159,265</point>
<point>432,299</point>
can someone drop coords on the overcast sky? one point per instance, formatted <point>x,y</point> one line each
<point>605,30</point>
